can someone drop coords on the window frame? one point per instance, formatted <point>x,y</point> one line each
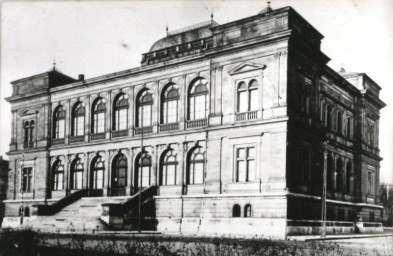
<point>139,167</point>
<point>192,162</point>
<point>246,159</point>
<point>95,116</point>
<point>165,101</point>
<point>59,122</point>
<point>57,183</point>
<point>75,170</point>
<point>140,108</point>
<point>117,109</point>
<point>26,179</point>
<point>116,167</point>
<point>164,163</point>
<point>75,116</point>
<point>192,97</point>
<point>93,173</point>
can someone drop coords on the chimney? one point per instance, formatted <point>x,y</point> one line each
<point>81,77</point>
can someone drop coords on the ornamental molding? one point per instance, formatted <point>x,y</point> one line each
<point>246,67</point>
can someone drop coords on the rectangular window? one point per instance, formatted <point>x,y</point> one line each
<point>77,180</point>
<point>170,175</point>
<point>172,111</point>
<point>122,119</point>
<point>339,122</point>
<point>100,123</point>
<point>254,102</point>
<point>98,179</point>
<point>61,129</point>
<point>349,127</point>
<point>145,176</point>
<point>80,122</point>
<point>370,183</point>
<point>245,164</point>
<point>26,179</point>
<point>242,101</point>
<point>200,107</point>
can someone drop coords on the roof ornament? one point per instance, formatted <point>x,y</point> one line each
<point>267,9</point>
<point>342,70</point>
<point>54,64</point>
<point>212,16</point>
<point>167,29</point>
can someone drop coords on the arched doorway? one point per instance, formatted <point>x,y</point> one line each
<point>97,176</point>
<point>143,171</point>
<point>119,175</point>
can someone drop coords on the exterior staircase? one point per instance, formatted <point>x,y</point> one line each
<point>80,216</point>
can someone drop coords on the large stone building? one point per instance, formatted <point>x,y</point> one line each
<point>3,185</point>
<point>233,119</point>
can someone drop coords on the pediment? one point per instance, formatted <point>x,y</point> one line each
<point>246,67</point>
<point>27,112</point>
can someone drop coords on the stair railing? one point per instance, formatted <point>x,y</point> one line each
<point>47,210</point>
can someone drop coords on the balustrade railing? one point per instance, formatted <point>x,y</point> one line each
<point>196,123</point>
<point>98,136</point>
<point>169,127</point>
<point>119,133</point>
<point>245,116</point>
<point>57,141</point>
<point>29,144</point>
<point>77,139</point>
<point>144,130</point>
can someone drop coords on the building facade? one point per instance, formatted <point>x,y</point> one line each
<point>3,185</point>
<point>232,119</point>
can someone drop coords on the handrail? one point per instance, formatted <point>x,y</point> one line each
<point>46,210</point>
<point>119,209</point>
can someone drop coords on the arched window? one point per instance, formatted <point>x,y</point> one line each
<point>76,174</point>
<point>170,104</point>
<point>198,100</point>
<point>247,211</point>
<point>168,168</point>
<point>58,176</point>
<point>348,177</point>
<point>28,134</point>
<point>119,171</point>
<point>120,112</point>
<point>236,211</point>
<point>330,173</point>
<point>196,166</point>
<point>339,175</point>
<point>247,96</point>
<point>98,116</point>
<point>59,122</point>
<point>78,120</point>
<point>97,173</point>
<point>144,108</point>
<point>143,166</point>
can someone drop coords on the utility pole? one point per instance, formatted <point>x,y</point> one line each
<point>140,175</point>
<point>323,197</point>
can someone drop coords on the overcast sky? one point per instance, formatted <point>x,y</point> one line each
<point>96,38</point>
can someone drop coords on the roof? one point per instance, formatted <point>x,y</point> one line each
<point>47,73</point>
<point>185,35</point>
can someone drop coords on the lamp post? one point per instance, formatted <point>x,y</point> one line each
<point>323,197</point>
